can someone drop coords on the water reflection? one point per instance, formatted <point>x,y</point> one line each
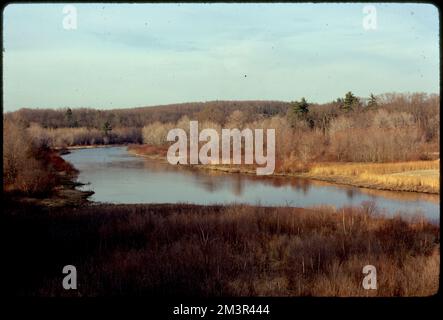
<point>350,193</point>
<point>119,177</point>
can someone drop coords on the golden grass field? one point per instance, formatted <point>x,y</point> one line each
<point>420,176</point>
<point>415,176</point>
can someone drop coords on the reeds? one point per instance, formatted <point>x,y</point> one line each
<point>408,176</point>
<point>166,250</point>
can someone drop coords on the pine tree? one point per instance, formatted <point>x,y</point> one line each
<point>107,127</point>
<point>350,102</point>
<point>301,108</point>
<point>372,103</point>
<point>69,117</point>
<point>338,102</point>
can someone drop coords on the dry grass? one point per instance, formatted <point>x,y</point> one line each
<point>417,176</point>
<point>164,250</point>
<point>354,169</point>
<point>422,176</point>
<point>157,152</point>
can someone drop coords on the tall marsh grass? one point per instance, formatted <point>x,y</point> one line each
<point>410,176</point>
<point>164,250</point>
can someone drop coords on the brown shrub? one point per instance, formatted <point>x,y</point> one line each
<point>23,169</point>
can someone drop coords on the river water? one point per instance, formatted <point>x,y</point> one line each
<point>119,177</point>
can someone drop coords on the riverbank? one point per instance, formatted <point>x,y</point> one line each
<point>64,193</point>
<point>413,176</point>
<point>65,150</point>
<point>181,249</point>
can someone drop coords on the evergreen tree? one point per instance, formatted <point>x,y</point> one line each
<point>339,102</point>
<point>69,118</point>
<point>350,102</point>
<point>107,127</point>
<point>300,108</point>
<point>372,103</point>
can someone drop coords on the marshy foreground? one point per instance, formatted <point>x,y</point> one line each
<point>192,250</point>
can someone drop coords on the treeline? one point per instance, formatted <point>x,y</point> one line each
<point>139,117</point>
<point>383,128</point>
<point>72,127</point>
<point>66,137</point>
<point>391,127</point>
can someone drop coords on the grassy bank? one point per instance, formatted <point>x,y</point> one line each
<point>416,176</point>
<point>190,250</point>
<point>412,176</point>
<point>91,146</point>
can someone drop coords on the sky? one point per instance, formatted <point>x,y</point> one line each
<point>132,55</point>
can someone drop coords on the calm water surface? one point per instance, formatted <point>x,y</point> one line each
<point>119,177</point>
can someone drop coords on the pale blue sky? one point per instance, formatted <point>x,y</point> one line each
<point>129,55</point>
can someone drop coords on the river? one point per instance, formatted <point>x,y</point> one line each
<point>117,176</point>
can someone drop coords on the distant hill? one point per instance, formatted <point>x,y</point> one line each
<point>138,117</point>
<point>217,111</point>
